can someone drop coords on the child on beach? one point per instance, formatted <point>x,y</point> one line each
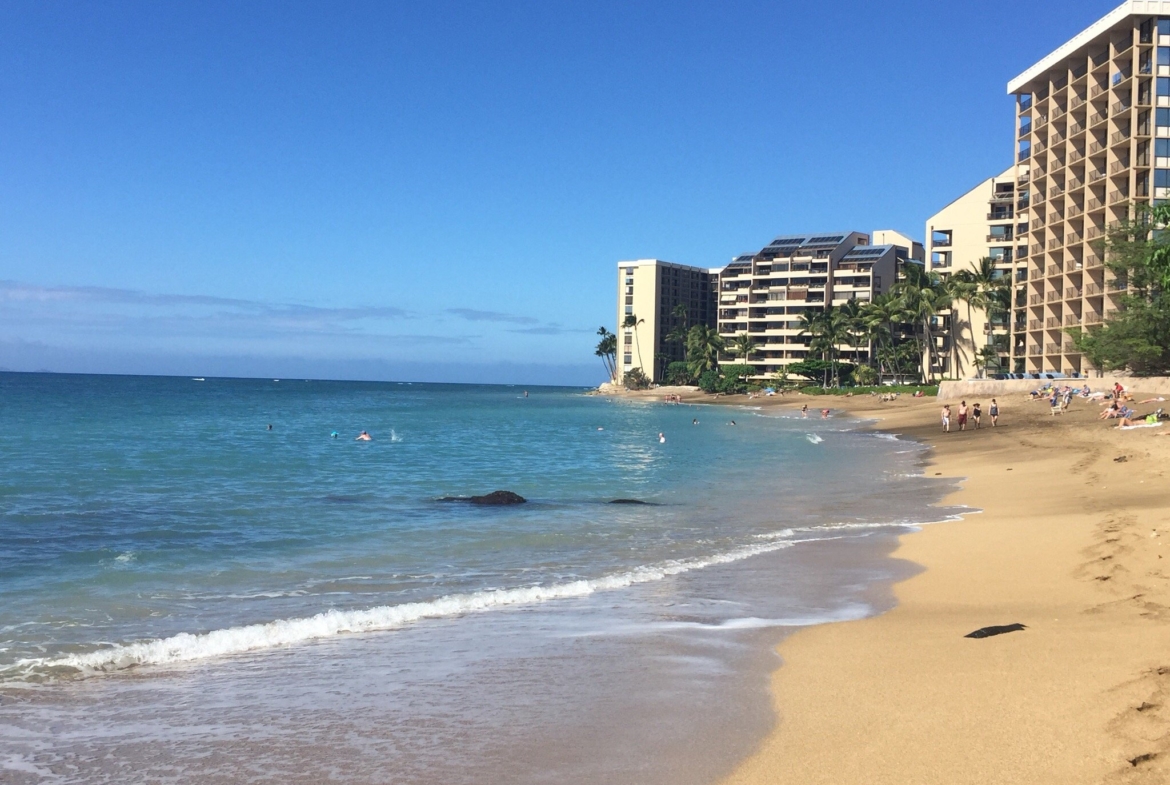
<point>946,418</point>
<point>975,415</point>
<point>962,415</point>
<point>994,412</point>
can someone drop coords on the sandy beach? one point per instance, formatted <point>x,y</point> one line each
<point>1069,543</point>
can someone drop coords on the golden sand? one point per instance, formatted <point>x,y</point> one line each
<point>1074,544</point>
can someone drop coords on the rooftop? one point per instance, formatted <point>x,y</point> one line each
<point>1086,36</point>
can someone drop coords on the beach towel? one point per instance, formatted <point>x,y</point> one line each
<point>1141,425</point>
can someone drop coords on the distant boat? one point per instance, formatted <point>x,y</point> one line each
<point>200,379</point>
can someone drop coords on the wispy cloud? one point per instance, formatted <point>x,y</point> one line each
<point>472,315</point>
<point>548,329</point>
<point>16,292</point>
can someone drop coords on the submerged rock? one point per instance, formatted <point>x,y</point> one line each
<point>495,498</point>
<point>629,501</point>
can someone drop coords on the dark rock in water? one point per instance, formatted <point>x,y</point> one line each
<point>495,498</point>
<point>987,632</point>
<point>498,497</point>
<point>630,501</point>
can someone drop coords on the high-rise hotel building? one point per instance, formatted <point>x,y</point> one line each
<point>765,293</point>
<point>651,291</point>
<point>1092,144</point>
<point>983,223</point>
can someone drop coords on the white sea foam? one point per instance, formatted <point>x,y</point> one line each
<point>126,558</point>
<point>188,647</point>
<point>813,438</point>
<point>394,437</point>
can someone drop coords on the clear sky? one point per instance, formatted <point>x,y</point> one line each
<point>441,190</point>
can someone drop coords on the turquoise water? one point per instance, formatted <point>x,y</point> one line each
<point>155,528</point>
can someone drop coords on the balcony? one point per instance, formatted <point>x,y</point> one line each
<point>1072,320</point>
<point>1072,238</point>
<point>1118,137</point>
<point>999,238</point>
<point>1118,166</point>
<point>1037,223</point>
<point>1036,299</point>
<point>1074,210</point>
<point>1037,248</point>
<point>1098,118</point>
<point>1055,190</point>
<point>1052,348</point>
<point>1092,317</point>
<point>1093,260</point>
<point>1036,324</point>
<point>1052,322</point>
<point>1054,243</point>
<point>1054,269</point>
<point>1120,106</point>
<point>1092,289</point>
<point>1096,147</point>
<point>1072,293</point>
<point>1096,175</point>
<point>1052,297</point>
<point>1001,215</point>
<point>1118,196</point>
<point>1034,350</point>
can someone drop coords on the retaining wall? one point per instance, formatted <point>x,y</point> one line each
<point>989,388</point>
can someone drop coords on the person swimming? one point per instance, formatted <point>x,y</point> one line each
<point>804,410</point>
<point>695,421</point>
<point>364,436</point>
<point>661,438</point>
<point>334,435</point>
<point>270,426</point>
<point>733,422</point>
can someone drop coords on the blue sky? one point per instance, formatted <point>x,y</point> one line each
<point>441,191</point>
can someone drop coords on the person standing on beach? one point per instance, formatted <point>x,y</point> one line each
<point>962,415</point>
<point>994,412</point>
<point>946,418</point>
<point>976,414</point>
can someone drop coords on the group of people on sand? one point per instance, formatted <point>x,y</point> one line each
<point>672,398</point>
<point>974,414</point>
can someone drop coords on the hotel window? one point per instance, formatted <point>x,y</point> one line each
<point>1164,27</point>
<point>940,259</point>
<point>1164,55</point>
<point>1162,178</point>
<point>1163,86</point>
<point>1162,117</point>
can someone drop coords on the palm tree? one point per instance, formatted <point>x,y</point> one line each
<point>923,296</point>
<point>961,287</point>
<point>988,357</point>
<point>744,346</point>
<point>703,346</point>
<point>607,351</point>
<point>828,329</point>
<point>633,321</point>
<point>679,333</point>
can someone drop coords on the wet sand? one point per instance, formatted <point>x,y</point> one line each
<point>1069,543</point>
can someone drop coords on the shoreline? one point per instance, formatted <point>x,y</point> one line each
<point>1069,543</point>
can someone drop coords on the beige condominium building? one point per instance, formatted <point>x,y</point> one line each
<point>1093,143</point>
<point>764,294</point>
<point>651,291</point>
<point>982,223</point>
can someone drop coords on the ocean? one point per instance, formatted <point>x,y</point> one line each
<point>189,595</point>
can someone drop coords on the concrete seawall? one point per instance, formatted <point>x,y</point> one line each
<point>990,388</point>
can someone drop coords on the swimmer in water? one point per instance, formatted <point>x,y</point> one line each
<point>334,435</point>
<point>270,426</point>
<point>526,393</point>
<point>695,421</point>
<point>364,436</point>
<point>824,414</point>
<point>733,422</point>
<point>804,410</point>
<point>661,438</point>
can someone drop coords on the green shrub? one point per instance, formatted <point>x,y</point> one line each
<point>709,381</point>
<point>679,373</point>
<point>635,379</point>
<point>735,379</point>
